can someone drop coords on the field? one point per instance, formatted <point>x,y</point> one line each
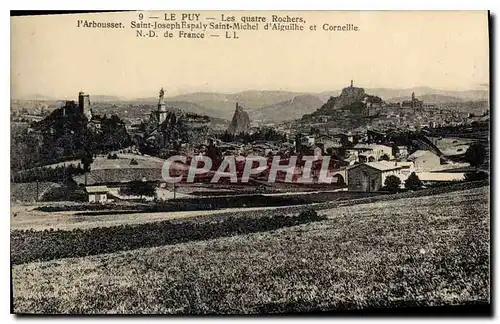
<point>423,251</point>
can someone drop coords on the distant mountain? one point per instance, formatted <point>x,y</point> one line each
<point>249,99</point>
<point>430,98</point>
<point>224,103</point>
<point>290,109</point>
<point>420,92</point>
<point>256,99</point>
<point>149,104</point>
<point>35,97</point>
<point>98,98</point>
<point>194,108</point>
<point>325,95</point>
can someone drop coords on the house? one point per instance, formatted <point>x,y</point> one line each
<point>371,176</point>
<point>346,138</point>
<point>308,140</point>
<point>97,194</point>
<point>327,142</point>
<point>424,161</point>
<point>373,152</point>
<point>366,156</point>
<point>336,149</point>
<point>352,155</point>
<point>401,152</point>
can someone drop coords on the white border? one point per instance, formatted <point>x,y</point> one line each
<point>492,5</point>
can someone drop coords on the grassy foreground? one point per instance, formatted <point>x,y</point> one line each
<point>406,252</point>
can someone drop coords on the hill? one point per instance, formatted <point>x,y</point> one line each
<point>347,111</point>
<point>287,110</point>
<point>389,93</point>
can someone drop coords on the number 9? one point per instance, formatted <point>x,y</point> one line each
<point>141,16</point>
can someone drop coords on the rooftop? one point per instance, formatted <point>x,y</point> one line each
<point>418,154</point>
<point>96,189</point>
<point>380,165</point>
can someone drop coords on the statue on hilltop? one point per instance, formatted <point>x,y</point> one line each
<point>162,94</point>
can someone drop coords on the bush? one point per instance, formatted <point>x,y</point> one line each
<point>310,214</point>
<point>476,176</point>
<point>413,182</point>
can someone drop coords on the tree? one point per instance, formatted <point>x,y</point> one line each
<point>392,183</point>
<point>413,182</point>
<point>86,162</point>
<point>475,155</point>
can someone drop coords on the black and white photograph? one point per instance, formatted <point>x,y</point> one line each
<point>250,162</point>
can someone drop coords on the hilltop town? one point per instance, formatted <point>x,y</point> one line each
<point>355,130</point>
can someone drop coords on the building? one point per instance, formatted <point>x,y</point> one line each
<point>307,140</point>
<point>327,142</point>
<point>97,194</point>
<point>346,138</point>
<point>371,176</point>
<point>413,103</point>
<point>401,152</point>
<point>351,155</point>
<point>439,177</point>
<point>373,152</point>
<point>407,168</point>
<point>425,161</point>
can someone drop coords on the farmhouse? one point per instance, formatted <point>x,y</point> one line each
<point>371,176</point>
<point>425,161</point>
<point>97,194</point>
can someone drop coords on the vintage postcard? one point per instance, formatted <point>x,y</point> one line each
<point>250,162</point>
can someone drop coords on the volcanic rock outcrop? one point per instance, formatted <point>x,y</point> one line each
<point>240,122</point>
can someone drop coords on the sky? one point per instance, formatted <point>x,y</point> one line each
<point>51,56</point>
